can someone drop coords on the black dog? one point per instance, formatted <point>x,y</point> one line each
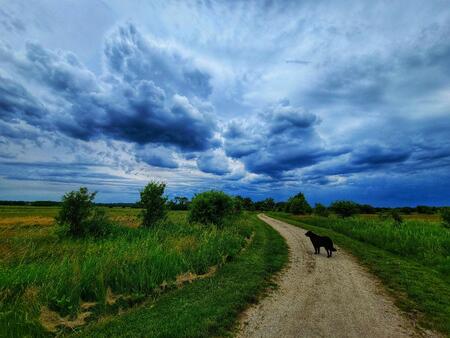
<point>319,241</point>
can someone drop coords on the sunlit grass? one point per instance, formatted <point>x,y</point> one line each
<point>40,269</point>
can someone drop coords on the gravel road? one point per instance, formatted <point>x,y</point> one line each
<point>324,297</point>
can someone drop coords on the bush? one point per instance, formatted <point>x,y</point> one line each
<point>344,208</point>
<point>298,205</point>
<point>445,215</point>
<point>396,217</point>
<point>211,207</point>
<point>153,204</point>
<point>321,210</point>
<point>237,205</point>
<point>79,215</point>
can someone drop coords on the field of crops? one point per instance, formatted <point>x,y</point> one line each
<point>58,282</point>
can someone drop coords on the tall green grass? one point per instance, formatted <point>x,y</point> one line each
<point>425,242</point>
<point>63,273</point>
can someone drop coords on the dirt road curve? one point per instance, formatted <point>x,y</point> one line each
<point>323,297</point>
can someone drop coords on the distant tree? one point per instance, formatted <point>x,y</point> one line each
<point>445,215</point>
<point>79,215</point>
<point>423,209</point>
<point>344,208</point>
<point>280,206</point>
<point>153,204</point>
<point>247,204</point>
<point>406,210</point>
<point>211,207</point>
<point>268,204</point>
<point>298,205</point>
<point>396,217</point>
<point>321,210</point>
<point>366,209</point>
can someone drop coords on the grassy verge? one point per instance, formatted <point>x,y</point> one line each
<point>43,274</point>
<point>421,290</point>
<point>207,307</point>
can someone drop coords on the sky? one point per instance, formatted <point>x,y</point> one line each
<point>339,100</point>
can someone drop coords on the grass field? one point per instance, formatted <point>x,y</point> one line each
<point>61,283</point>
<point>412,259</point>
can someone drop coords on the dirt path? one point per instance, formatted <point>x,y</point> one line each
<point>323,297</point>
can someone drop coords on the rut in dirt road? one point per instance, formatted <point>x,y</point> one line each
<point>323,297</point>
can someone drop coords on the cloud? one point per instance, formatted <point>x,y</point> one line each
<point>283,138</point>
<point>11,23</point>
<point>132,57</point>
<point>377,155</point>
<point>16,103</point>
<point>157,157</point>
<point>130,104</point>
<point>214,162</point>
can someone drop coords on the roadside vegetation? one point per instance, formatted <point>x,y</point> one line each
<point>411,256</point>
<point>91,263</point>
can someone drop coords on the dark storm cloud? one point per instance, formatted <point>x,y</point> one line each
<point>282,139</point>
<point>376,155</point>
<point>16,103</point>
<point>157,157</point>
<point>134,104</point>
<point>213,163</point>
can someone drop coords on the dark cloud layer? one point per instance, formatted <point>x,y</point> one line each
<point>134,103</point>
<point>282,139</point>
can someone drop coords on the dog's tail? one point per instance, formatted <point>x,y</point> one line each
<point>333,249</point>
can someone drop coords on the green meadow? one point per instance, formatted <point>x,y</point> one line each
<point>59,285</point>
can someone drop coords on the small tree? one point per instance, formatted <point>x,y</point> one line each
<point>445,215</point>
<point>321,210</point>
<point>344,208</point>
<point>153,204</point>
<point>396,217</point>
<point>211,207</point>
<point>79,214</point>
<point>298,205</point>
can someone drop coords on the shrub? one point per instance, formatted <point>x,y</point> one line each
<point>237,205</point>
<point>211,207</point>
<point>445,215</point>
<point>153,204</point>
<point>79,215</point>
<point>298,205</point>
<point>321,210</point>
<point>344,208</point>
<point>396,217</point>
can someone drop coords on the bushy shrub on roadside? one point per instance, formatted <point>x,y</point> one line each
<point>211,207</point>
<point>153,204</point>
<point>344,208</point>
<point>79,217</point>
